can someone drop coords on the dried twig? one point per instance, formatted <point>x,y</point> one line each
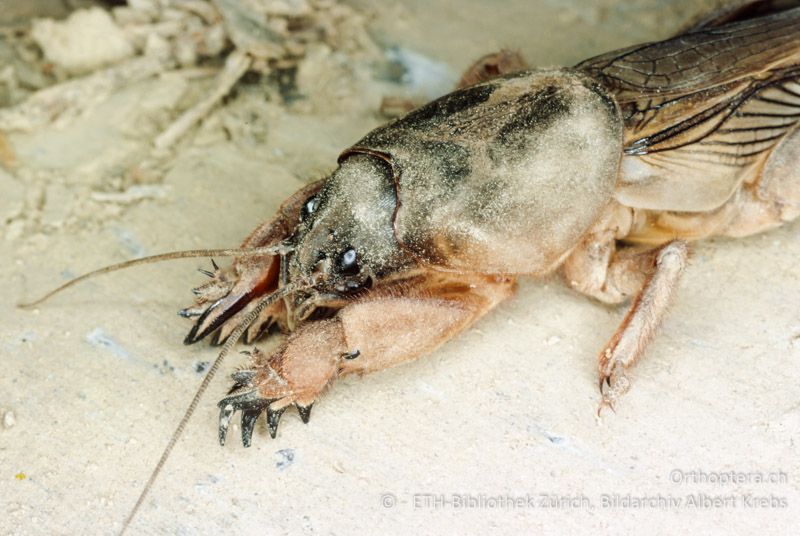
<point>235,66</point>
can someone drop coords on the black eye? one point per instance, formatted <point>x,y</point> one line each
<point>348,262</point>
<point>309,207</point>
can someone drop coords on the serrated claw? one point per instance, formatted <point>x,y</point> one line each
<point>249,418</point>
<point>273,419</point>
<point>251,406</point>
<point>305,412</point>
<point>256,389</point>
<point>225,414</point>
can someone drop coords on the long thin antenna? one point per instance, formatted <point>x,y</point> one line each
<point>234,337</point>
<point>239,252</point>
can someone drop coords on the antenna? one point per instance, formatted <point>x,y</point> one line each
<point>263,303</point>
<point>239,252</point>
<point>234,337</point>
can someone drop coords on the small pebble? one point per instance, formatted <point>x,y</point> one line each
<point>285,458</point>
<point>9,419</point>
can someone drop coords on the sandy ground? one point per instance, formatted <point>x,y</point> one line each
<point>93,383</point>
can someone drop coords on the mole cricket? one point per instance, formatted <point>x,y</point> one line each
<point>603,172</point>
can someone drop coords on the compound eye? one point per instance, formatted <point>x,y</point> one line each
<point>348,262</point>
<point>309,207</point>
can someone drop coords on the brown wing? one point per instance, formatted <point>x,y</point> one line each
<point>692,81</point>
<point>700,109</point>
<point>737,10</point>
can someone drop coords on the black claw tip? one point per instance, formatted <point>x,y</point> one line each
<point>249,336</point>
<point>251,406</point>
<point>206,272</point>
<point>214,264</point>
<point>216,339</point>
<point>273,418</point>
<point>191,338</point>
<point>225,414</point>
<point>249,418</point>
<point>187,313</point>
<point>305,412</point>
